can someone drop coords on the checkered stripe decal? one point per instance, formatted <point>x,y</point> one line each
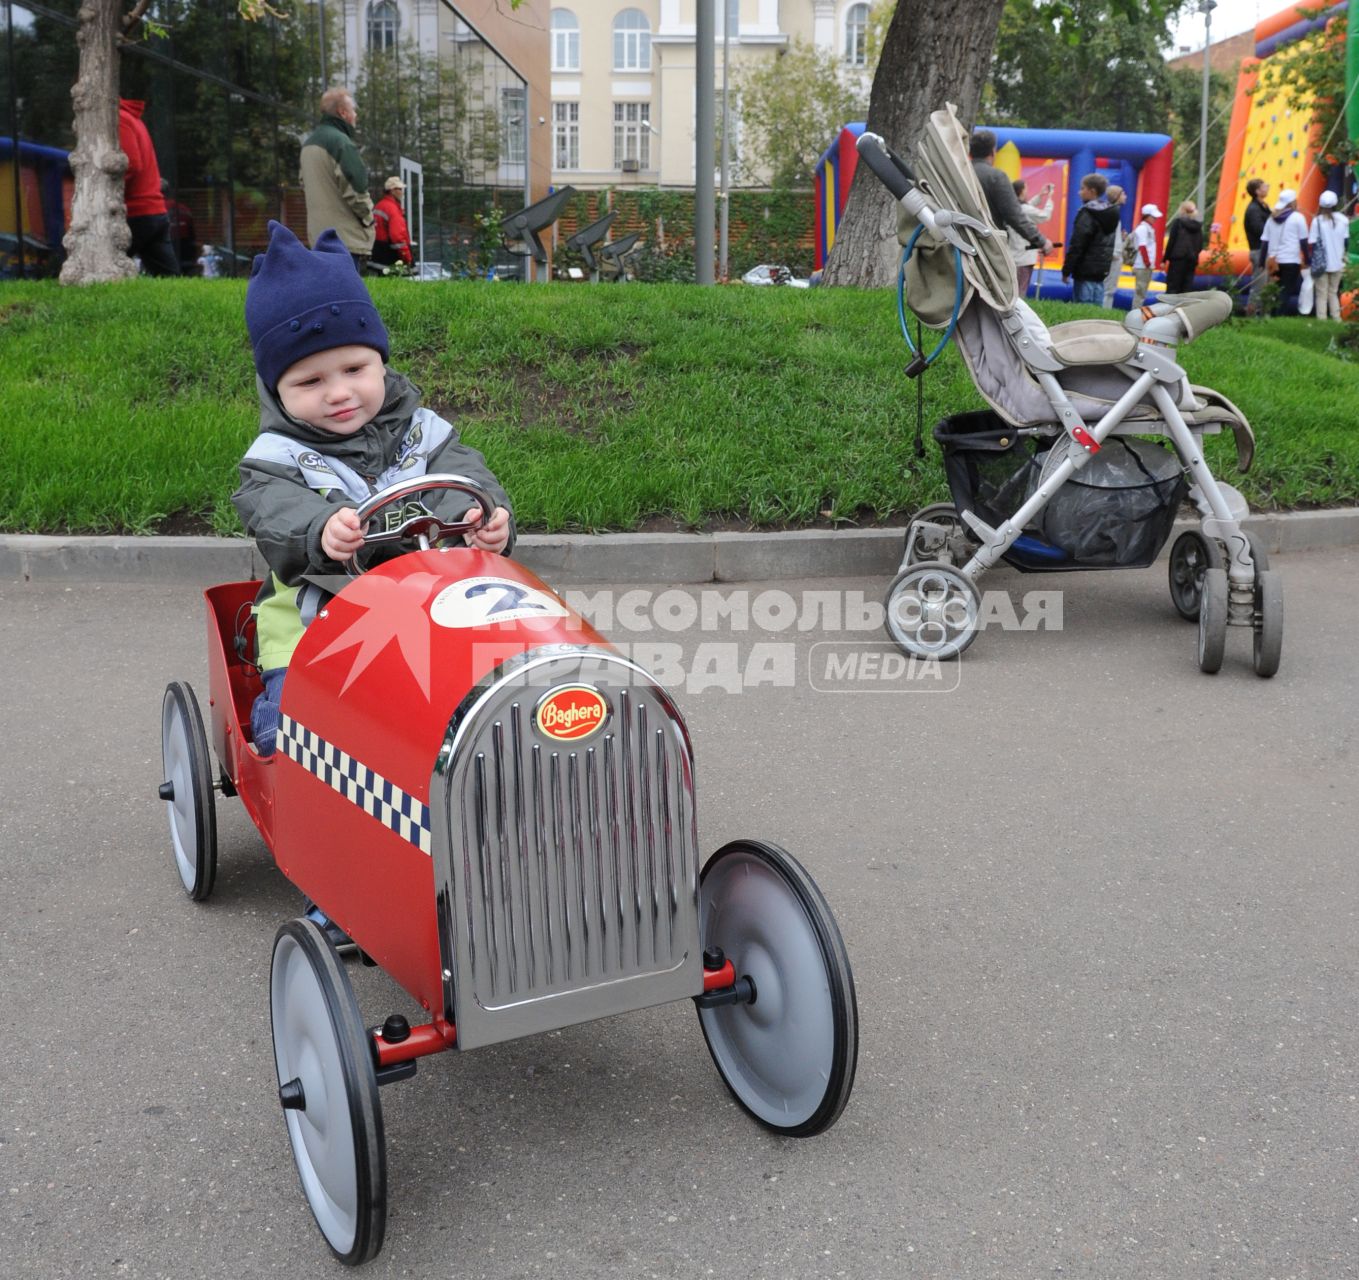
<point>354,780</point>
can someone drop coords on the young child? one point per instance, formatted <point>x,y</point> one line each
<point>336,425</point>
<point>1146,253</point>
<point>1090,249</point>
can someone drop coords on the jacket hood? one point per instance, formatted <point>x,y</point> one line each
<point>1106,219</point>
<point>1191,224</point>
<point>1284,214</point>
<point>401,400</point>
<point>133,106</point>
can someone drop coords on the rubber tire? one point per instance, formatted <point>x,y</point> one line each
<point>1268,638</point>
<point>898,636</point>
<point>1212,642</point>
<point>320,1039</point>
<point>1185,596</point>
<point>760,906</point>
<point>186,764</point>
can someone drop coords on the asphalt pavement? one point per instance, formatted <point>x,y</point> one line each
<point>1102,911</point>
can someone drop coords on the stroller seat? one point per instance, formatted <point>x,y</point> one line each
<point>1091,342</point>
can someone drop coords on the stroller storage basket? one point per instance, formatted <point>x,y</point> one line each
<point>1116,512</point>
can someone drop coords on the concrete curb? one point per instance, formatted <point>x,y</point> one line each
<point>564,559</point>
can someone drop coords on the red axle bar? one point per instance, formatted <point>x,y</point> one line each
<point>433,1037</point>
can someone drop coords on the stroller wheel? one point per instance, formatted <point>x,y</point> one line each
<point>932,610</point>
<point>1190,556</point>
<point>931,543</point>
<point>1268,622</point>
<point>329,1092</point>
<point>1213,620</point>
<point>788,1056</point>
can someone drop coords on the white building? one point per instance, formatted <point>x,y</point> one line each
<point>623,77</point>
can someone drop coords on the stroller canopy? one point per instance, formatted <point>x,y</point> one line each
<point>945,168</point>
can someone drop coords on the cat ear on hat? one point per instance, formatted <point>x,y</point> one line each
<point>329,242</point>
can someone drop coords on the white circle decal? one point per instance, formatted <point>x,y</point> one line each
<point>482,602</point>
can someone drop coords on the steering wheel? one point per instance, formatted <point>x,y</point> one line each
<point>423,528</point>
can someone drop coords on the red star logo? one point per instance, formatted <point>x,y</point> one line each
<point>390,610</point>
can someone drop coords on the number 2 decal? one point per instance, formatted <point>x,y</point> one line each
<point>480,602</point>
<point>510,597</point>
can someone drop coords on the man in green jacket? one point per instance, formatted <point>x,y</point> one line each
<point>334,178</point>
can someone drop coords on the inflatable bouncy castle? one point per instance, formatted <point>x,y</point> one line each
<point>1279,143</point>
<point>1138,162</point>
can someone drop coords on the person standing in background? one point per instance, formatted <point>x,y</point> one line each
<point>1000,195</point>
<point>1254,220</point>
<point>1024,255</point>
<point>1090,249</point>
<point>1284,245</point>
<point>1329,240</point>
<point>1184,243</point>
<point>146,216</point>
<point>1145,254</point>
<point>392,239</point>
<point>335,179</point>
<point>1117,198</point>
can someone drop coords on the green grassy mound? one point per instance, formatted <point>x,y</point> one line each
<point>127,407</point>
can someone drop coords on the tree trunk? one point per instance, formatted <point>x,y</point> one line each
<point>935,51</point>
<point>96,244</point>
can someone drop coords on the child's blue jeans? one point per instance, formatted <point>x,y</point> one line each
<point>264,714</point>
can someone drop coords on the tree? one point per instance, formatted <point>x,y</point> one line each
<point>1098,69</point>
<point>935,51</point>
<point>791,106</point>
<point>96,243</point>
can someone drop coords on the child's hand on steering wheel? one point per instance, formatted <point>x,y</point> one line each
<point>495,534</point>
<point>342,536</point>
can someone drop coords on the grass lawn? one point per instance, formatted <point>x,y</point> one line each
<point>127,407</point>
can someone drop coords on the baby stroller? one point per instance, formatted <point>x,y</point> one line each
<point>1060,473</point>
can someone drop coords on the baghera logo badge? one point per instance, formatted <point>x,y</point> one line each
<point>571,712</point>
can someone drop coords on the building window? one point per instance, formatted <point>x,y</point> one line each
<point>383,21</point>
<point>631,135</point>
<point>565,41</point>
<point>566,135</point>
<point>856,35</point>
<point>631,41</point>
<point>513,104</point>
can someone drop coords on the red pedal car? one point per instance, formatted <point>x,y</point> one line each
<point>498,808</point>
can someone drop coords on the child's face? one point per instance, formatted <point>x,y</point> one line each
<point>339,390</point>
<point>1088,193</point>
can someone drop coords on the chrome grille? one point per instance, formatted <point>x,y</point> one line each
<point>568,873</point>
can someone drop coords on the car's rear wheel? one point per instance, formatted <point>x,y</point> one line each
<point>187,790</point>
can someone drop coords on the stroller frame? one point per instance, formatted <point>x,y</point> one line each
<point>1219,574</point>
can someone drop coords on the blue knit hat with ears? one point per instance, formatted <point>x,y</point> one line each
<point>300,301</point>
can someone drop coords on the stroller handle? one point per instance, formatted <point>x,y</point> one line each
<point>893,172</point>
<point>899,178</point>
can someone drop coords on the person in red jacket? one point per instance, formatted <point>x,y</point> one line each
<point>146,216</point>
<point>393,241</point>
